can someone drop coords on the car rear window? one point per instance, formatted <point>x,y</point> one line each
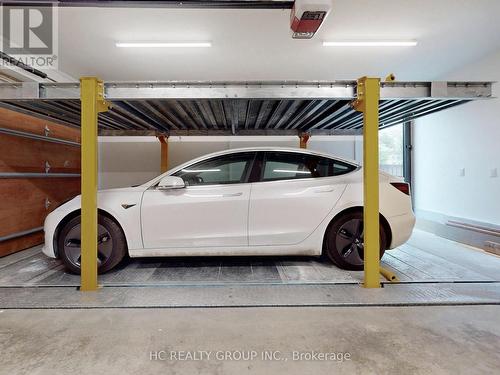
<point>289,165</point>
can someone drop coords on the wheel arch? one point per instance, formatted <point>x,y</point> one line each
<point>383,221</point>
<point>72,215</point>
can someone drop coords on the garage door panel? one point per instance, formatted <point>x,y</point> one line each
<point>23,155</point>
<point>24,200</point>
<point>29,124</point>
<point>11,246</point>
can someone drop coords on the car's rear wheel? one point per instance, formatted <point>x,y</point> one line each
<point>344,241</point>
<point>111,244</point>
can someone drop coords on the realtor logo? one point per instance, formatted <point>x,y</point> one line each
<point>29,33</point>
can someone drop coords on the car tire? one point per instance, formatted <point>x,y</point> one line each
<point>112,246</point>
<point>343,243</point>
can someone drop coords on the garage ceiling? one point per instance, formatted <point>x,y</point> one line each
<point>244,108</point>
<point>450,34</point>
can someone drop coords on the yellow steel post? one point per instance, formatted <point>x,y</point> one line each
<point>368,95</point>
<point>164,153</point>
<point>304,138</point>
<point>92,102</point>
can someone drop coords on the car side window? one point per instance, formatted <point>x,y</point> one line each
<point>289,165</point>
<point>226,169</point>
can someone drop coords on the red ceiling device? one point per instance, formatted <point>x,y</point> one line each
<point>307,16</point>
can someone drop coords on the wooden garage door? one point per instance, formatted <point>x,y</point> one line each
<point>29,189</point>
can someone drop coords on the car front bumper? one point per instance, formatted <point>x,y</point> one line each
<point>49,227</point>
<point>52,222</point>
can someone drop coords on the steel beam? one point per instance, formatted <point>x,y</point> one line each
<point>230,90</point>
<point>247,90</point>
<point>211,106</point>
<point>225,132</point>
<point>240,106</point>
<point>92,102</point>
<point>130,133</point>
<point>367,102</point>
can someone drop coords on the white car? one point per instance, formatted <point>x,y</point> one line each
<point>249,201</point>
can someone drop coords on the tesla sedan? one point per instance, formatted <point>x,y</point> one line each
<point>251,201</point>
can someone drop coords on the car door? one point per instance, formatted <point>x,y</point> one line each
<point>294,194</point>
<point>212,210</point>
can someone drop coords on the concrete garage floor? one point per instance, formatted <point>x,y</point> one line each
<point>379,340</point>
<point>443,318</point>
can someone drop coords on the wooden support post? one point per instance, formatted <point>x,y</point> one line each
<point>164,153</point>
<point>304,138</point>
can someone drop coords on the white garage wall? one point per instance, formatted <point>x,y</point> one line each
<point>457,155</point>
<point>125,161</point>
<point>349,147</point>
<point>182,149</point>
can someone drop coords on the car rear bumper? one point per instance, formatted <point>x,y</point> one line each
<point>401,228</point>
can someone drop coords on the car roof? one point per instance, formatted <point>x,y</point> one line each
<point>274,148</point>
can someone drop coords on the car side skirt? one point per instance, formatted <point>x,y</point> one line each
<point>224,251</point>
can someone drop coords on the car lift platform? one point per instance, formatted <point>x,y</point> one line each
<point>431,270</point>
<point>238,108</point>
<point>232,108</point>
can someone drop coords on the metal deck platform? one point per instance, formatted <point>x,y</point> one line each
<point>243,108</point>
<point>432,270</point>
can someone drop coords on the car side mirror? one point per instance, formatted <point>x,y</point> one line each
<point>171,182</point>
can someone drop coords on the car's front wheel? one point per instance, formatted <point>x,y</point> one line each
<point>111,244</point>
<point>344,241</point>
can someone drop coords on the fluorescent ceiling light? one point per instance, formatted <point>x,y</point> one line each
<point>163,44</point>
<point>371,43</point>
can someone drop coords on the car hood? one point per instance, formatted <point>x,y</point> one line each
<point>132,189</point>
<point>75,202</point>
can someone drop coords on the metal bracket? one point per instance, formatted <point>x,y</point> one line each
<point>102,104</point>
<point>46,130</point>
<point>358,104</point>
<point>47,203</point>
<point>47,167</point>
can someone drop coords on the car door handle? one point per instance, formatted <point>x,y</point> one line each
<point>231,195</point>
<point>327,189</point>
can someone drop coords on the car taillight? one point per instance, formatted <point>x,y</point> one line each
<point>402,187</point>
